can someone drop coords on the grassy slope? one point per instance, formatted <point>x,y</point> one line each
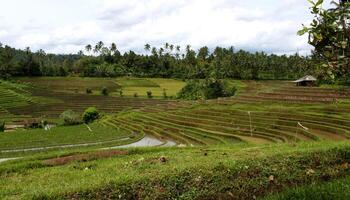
<point>62,135</point>
<point>155,85</point>
<point>336,189</point>
<point>198,172</point>
<point>71,84</point>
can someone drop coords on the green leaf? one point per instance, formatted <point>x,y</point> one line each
<point>311,2</point>
<point>319,2</point>
<point>303,31</point>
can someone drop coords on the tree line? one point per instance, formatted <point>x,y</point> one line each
<point>102,60</point>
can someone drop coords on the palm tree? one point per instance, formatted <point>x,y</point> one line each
<point>154,51</point>
<point>161,50</point>
<point>27,50</point>
<point>188,48</point>
<point>147,47</point>
<point>98,46</point>
<point>113,47</point>
<point>80,53</point>
<point>88,47</point>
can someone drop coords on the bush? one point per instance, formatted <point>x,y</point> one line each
<point>2,126</point>
<point>165,96</point>
<point>149,94</point>
<point>88,91</point>
<point>231,91</point>
<point>136,95</point>
<point>90,115</point>
<point>191,91</point>
<point>121,93</point>
<point>208,89</point>
<point>69,117</point>
<point>104,91</point>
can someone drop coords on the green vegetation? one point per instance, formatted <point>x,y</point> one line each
<point>88,91</point>
<point>162,62</point>
<point>337,189</point>
<point>2,126</point>
<point>104,91</point>
<point>130,86</point>
<point>208,89</point>
<point>59,136</point>
<point>69,117</point>
<point>149,94</point>
<point>306,129</point>
<point>90,115</point>
<point>173,173</point>
<point>71,84</point>
<point>329,34</point>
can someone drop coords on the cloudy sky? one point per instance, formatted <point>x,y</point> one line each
<point>66,26</point>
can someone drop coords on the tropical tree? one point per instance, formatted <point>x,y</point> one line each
<point>88,47</point>
<point>329,33</point>
<point>147,47</point>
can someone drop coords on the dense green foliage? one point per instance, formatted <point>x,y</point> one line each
<point>88,91</point>
<point>2,126</point>
<point>90,115</point>
<point>329,33</point>
<point>69,117</point>
<point>162,62</point>
<point>104,91</point>
<point>207,89</point>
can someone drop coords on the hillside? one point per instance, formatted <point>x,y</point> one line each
<point>196,149</point>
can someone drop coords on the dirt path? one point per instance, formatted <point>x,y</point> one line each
<point>62,146</point>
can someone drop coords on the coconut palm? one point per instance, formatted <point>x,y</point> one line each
<point>88,47</point>
<point>113,47</point>
<point>147,47</point>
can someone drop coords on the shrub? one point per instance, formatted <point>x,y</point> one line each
<point>231,91</point>
<point>136,95</point>
<point>90,115</point>
<point>191,91</point>
<point>2,126</point>
<point>69,117</point>
<point>88,91</point>
<point>104,91</point>
<point>121,93</point>
<point>165,96</point>
<point>213,89</point>
<point>149,94</point>
<point>208,89</point>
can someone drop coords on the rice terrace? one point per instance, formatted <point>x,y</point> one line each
<point>172,121</point>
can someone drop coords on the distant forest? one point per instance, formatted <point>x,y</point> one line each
<point>168,61</point>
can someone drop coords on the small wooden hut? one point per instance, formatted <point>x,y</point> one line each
<point>306,81</point>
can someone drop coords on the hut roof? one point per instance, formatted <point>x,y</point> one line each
<point>306,78</point>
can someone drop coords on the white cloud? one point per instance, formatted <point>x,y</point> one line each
<point>269,25</point>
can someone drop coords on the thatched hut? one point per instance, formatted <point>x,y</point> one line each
<point>306,81</point>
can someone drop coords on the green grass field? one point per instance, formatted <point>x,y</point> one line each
<point>336,189</point>
<point>157,86</point>
<point>62,135</point>
<point>185,173</point>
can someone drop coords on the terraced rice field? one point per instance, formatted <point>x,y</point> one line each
<point>262,113</point>
<point>266,112</point>
<point>48,97</point>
